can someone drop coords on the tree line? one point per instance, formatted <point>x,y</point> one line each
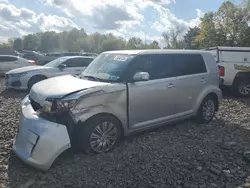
<point>228,26</point>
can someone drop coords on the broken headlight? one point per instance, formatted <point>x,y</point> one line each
<point>55,105</point>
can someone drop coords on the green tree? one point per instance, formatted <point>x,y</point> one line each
<point>232,20</point>
<point>48,41</point>
<point>154,45</point>
<point>134,43</point>
<point>31,42</point>
<point>18,44</point>
<point>189,38</point>
<point>207,36</point>
<point>172,36</point>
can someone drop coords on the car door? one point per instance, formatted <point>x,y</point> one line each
<point>8,63</point>
<point>76,65</point>
<point>152,102</point>
<point>191,81</point>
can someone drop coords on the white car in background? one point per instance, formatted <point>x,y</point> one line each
<point>9,62</point>
<point>24,78</point>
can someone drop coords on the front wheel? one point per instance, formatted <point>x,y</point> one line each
<point>98,135</point>
<point>206,110</point>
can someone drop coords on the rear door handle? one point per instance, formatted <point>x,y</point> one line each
<point>171,85</point>
<point>202,79</point>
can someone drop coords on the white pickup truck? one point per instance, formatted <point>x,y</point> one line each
<point>234,68</point>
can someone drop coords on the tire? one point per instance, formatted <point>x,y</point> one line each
<point>85,133</point>
<point>33,80</point>
<point>241,87</point>
<point>210,104</point>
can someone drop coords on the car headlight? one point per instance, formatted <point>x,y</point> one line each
<point>66,104</point>
<point>47,106</point>
<point>53,105</point>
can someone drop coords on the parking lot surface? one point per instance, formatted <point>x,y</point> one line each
<point>178,155</point>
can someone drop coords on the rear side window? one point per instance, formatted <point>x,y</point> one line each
<point>78,62</point>
<point>7,58</point>
<point>158,66</point>
<point>188,64</point>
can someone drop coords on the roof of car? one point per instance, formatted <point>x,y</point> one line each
<point>158,51</point>
<point>78,56</point>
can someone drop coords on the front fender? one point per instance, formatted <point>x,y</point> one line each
<point>110,103</point>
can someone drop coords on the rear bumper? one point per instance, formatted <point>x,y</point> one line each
<point>39,142</point>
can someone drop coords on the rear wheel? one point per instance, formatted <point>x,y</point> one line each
<point>35,79</point>
<point>98,135</point>
<point>241,87</point>
<point>207,110</point>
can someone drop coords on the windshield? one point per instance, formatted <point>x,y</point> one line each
<point>56,62</point>
<point>108,66</point>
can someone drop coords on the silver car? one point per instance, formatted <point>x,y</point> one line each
<point>25,77</point>
<point>9,62</point>
<point>119,93</point>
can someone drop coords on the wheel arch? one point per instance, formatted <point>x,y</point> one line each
<point>213,94</point>
<point>35,76</point>
<point>241,75</point>
<point>106,114</point>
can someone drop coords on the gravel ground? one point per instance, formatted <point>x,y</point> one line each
<point>180,155</point>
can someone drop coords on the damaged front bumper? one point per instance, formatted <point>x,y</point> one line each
<point>39,141</point>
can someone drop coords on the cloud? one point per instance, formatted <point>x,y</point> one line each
<point>167,20</point>
<point>106,14</point>
<point>54,23</point>
<point>197,20</point>
<point>11,13</point>
<point>15,22</point>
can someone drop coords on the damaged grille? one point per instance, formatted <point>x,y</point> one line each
<point>35,105</point>
<point>62,118</point>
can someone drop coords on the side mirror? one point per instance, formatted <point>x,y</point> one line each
<point>62,66</point>
<point>141,76</point>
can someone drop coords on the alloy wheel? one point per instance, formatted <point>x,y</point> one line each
<point>208,110</point>
<point>103,137</point>
<point>244,88</point>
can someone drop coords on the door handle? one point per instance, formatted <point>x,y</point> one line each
<point>202,79</point>
<point>171,85</point>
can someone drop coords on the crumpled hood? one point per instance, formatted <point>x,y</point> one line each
<point>60,86</point>
<point>26,69</point>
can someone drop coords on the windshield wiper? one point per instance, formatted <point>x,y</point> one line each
<point>92,77</point>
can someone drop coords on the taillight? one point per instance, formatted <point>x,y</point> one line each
<point>221,71</point>
<point>31,62</point>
